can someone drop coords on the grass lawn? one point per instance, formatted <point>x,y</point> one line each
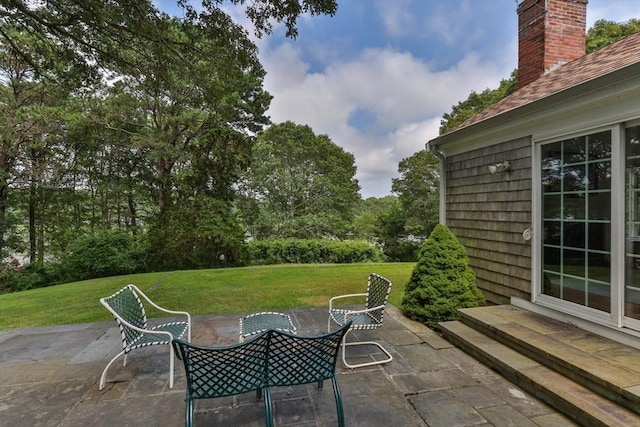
<point>218,291</point>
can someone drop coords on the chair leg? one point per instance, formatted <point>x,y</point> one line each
<point>170,366</point>
<point>103,377</point>
<point>338,397</point>
<point>188,414</point>
<point>268,407</point>
<point>345,344</point>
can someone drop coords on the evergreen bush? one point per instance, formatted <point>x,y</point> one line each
<point>441,282</point>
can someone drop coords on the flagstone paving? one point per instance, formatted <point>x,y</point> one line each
<point>49,377</point>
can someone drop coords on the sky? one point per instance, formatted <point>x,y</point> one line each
<point>378,76</point>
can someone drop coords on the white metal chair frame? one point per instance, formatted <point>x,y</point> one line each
<point>368,318</point>
<point>129,313</point>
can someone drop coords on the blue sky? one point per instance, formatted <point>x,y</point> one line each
<point>378,76</point>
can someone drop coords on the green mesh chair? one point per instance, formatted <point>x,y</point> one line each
<point>296,360</point>
<point>128,310</point>
<point>270,359</point>
<point>225,371</point>
<point>367,316</point>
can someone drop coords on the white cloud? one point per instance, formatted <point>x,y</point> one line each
<point>403,95</point>
<point>396,16</point>
<point>398,96</point>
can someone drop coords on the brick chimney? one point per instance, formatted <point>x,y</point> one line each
<point>551,33</point>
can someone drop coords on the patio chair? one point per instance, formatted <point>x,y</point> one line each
<point>129,313</point>
<point>271,359</point>
<point>366,316</point>
<point>223,371</point>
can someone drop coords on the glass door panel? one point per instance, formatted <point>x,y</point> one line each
<point>576,214</point>
<point>632,226</point>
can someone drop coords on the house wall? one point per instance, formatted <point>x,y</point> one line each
<point>488,214</point>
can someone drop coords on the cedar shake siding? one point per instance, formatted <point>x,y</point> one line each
<point>488,214</point>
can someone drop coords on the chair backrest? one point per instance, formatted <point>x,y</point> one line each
<point>273,358</point>
<point>126,305</point>
<point>224,371</point>
<point>297,360</point>
<point>378,289</point>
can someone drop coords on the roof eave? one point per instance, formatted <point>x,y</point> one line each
<point>581,89</point>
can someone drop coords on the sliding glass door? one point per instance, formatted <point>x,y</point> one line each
<point>586,207</point>
<point>632,223</point>
<point>576,217</point>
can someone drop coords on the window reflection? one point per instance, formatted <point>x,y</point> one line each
<point>576,211</point>
<point>632,226</point>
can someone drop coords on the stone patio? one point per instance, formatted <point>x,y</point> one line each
<point>49,377</point>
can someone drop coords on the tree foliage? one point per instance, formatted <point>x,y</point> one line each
<point>299,185</point>
<point>441,282</point>
<point>396,242</point>
<point>89,35</point>
<point>32,114</point>
<point>117,120</point>
<point>605,32</point>
<point>366,221</point>
<point>263,13</point>
<point>418,190</point>
<point>194,121</point>
<point>477,102</point>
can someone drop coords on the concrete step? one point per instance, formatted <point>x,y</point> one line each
<point>575,400</point>
<point>602,365</point>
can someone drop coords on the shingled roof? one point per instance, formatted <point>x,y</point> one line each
<point>586,68</point>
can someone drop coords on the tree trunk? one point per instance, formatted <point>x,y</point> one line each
<point>32,222</point>
<point>3,211</point>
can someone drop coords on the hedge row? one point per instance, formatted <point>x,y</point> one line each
<point>296,251</point>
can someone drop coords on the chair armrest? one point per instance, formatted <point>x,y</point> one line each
<point>129,325</point>
<point>344,297</point>
<point>184,313</point>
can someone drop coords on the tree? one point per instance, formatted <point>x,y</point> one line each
<point>396,243</point>
<point>262,13</point>
<point>301,185</point>
<point>441,282</point>
<point>366,223</point>
<point>606,32</point>
<point>90,34</point>
<point>159,148</point>
<point>194,121</point>
<point>32,110</point>
<point>477,102</point>
<point>418,188</point>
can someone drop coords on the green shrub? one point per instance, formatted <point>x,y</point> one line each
<point>15,277</point>
<point>104,253</point>
<point>201,232</point>
<point>315,251</point>
<point>441,282</point>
